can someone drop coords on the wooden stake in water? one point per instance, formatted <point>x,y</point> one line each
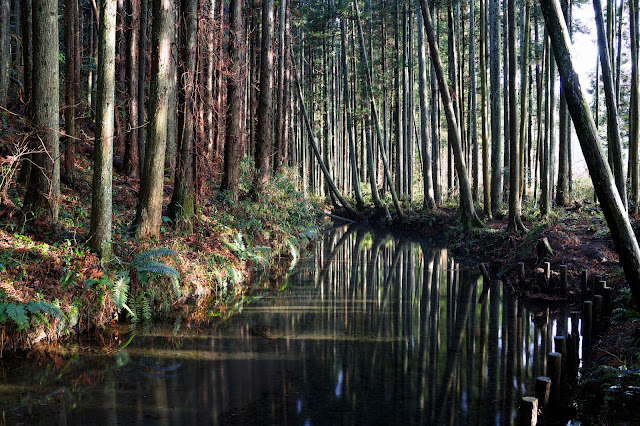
<point>543,388</point>
<point>554,371</point>
<point>528,411</point>
<point>563,279</point>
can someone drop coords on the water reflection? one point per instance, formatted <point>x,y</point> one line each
<point>373,329</point>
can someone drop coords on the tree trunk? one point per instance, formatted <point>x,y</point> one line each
<point>71,11</point>
<point>181,208</point>
<point>486,180</point>
<point>374,114</point>
<point>467,210</point>
<point>563,140</point>
<point>131,161</point>
<point>142,128</point>
<point>101,199</point>
<point>524,96</point>
<point>350,125</point>
<point>5,50</point>
<point>264,134</point>
<point>496,128</point>
<point>235,140</point>
<point>435,131</point>
<point>515,220</point>
<point>612,206</point>
<point>634,108</point>
<point>316,151</point>
<point>429,202</point>
<point>149,214</point>
<point>613,132</point>
<point>43,190</point>
<point>474,109</point>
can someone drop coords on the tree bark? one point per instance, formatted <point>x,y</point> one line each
<point>515,220</point>
<point>486,180</point>
<point>429,202</point>
<point>613,130</point>
<point>235,140</point>
<point>101,199</point>
<point>496,130</point>
<point>612,206</point>
<point>131,161</point>
<point>149,214</point>
<point>5,50</point>
<point>71,11</point>
<point>42,198</point>
<point>634,109</point>
<point>264,135</point>
<point>181,209</point>
<point>467,210</point>
<point>142,75</point>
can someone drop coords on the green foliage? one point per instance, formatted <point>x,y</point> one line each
<point>23,313</point>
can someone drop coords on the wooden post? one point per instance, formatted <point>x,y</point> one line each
<point>587,317</point>
<point>543,387</point>
<point>600,285</point>
<point>606,302</point>
<point>547,270</point>
<point>554,371</point>
<point>560,346</point>
<point>596,280</point>
<point>572,359</point>
<point>584,279</point>
<point>521,270</point>
<point>563,279</point>
<point>597,313</point>
<point>575,321</point>
<point>528,411</point>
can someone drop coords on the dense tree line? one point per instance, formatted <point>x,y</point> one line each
<point>384,102</point>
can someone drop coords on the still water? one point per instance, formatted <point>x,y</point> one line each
<point>371,329</point>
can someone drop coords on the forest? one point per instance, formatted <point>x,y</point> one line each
<point>157,157</point>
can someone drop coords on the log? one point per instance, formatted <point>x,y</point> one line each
<point>528,411</point>
<point>543,388</point>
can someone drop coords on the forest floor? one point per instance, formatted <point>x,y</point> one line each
<point>608,391</point>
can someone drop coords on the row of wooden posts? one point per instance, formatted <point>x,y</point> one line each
<point>563,363</point>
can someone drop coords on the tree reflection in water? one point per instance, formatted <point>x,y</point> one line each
<point>373,329</point>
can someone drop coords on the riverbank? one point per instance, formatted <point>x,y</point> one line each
<point>578,236</point>
<point>52,286</point>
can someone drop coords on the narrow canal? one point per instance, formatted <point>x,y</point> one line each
<point>370,329</point>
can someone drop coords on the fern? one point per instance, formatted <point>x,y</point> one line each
<point>156,268</point>
<point>154,253</point>
<point>18,313</point>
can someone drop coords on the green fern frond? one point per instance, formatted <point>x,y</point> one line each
<point>154,253</point>
<point>121,291</point>
<point>158,269</point>
<point>39,306</point>
<point>18,314</point>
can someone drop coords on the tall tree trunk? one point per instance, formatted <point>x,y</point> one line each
<point>467,210</point>
<point>515,220</point>
<point>5,50</point>
<point>149,214</point>
<point>41,199</point>
<point>435,130</point>
<point>71,12</point>
<point>131,161</point>
<point>474,108</point>
<point>545,172</point>
<point>350,125</point>
<point>282,52</point>
<point>612,206</point>
<point>235,140</point>
<point>524,96</point>
<point>634,108</point>
<point>496,128</point>
<point>374,114</point>
<point>613,132</point>
<point>101,199</point>
<point>429,202</point>
<point>264,133</point>
<point>563,140</point>
<point>316,151</point>
<point>181,208</point>
<point>486,180</point>
<point>142,128</point>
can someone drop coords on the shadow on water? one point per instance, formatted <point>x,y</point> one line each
<point>372,329</point>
